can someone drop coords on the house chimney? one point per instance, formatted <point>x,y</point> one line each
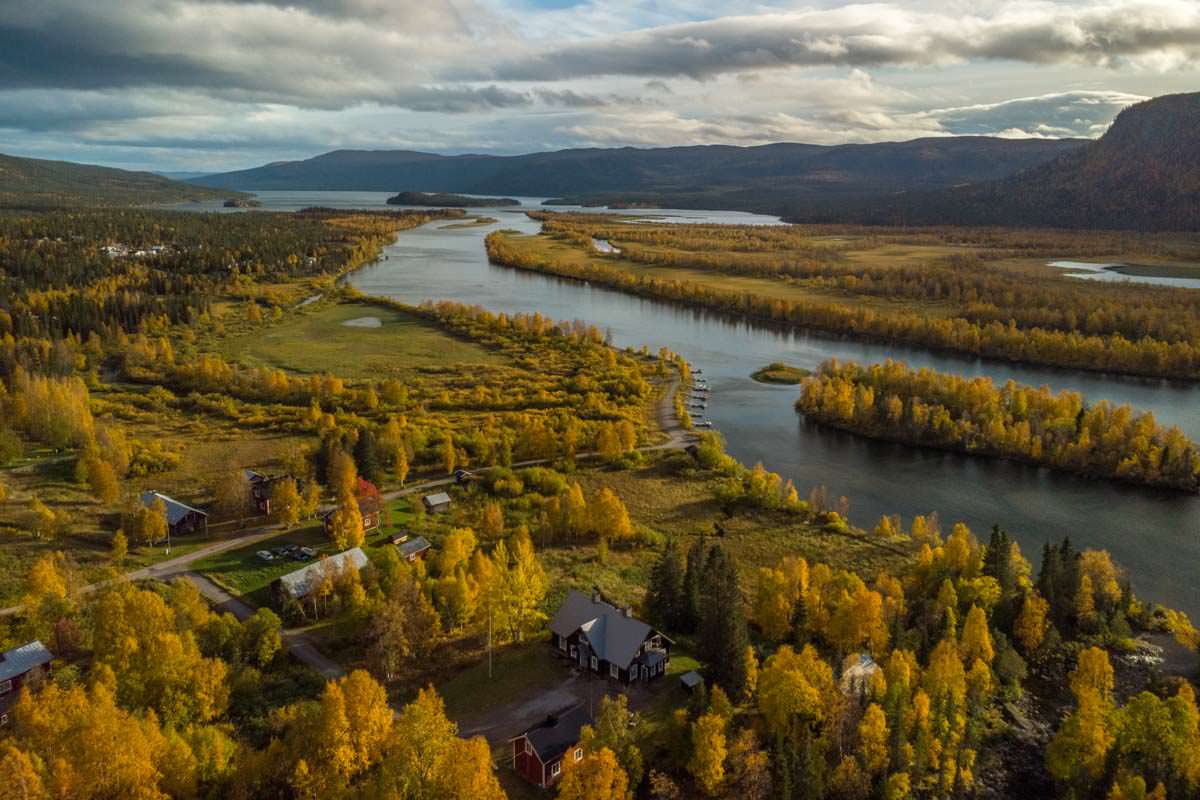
<point>596,596</point>
<point>628,612</point>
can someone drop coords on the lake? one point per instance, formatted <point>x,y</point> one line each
<point>1155,535</point>
<point>1087,271</point>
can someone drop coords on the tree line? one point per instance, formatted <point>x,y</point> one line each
<point>973,415</point>
<point>1006,341</point>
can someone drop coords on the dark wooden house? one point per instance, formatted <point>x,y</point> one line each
<point>181,518</point>
<point>597,636</point>
<point>370,506</point>
<point>16,668</point>
<point>541,753</point>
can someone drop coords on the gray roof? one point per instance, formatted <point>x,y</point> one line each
<point>305,580</point>
<point>21,659</point>
<point>413,546</point>
<point>691,679</point>
<point>613,636</point>
<point>437,499</point>
<point>558,733</point>
<point>176,510</point>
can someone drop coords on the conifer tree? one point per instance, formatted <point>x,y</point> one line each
<point>723,623</point>
<point>664,597</point>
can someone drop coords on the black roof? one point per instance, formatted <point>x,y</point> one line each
<point>558,733</point>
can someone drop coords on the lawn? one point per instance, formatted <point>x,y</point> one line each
<point>243,573</point>
<point>518,672</point>
<point>318,340</point>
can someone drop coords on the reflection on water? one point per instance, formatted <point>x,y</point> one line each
<point>1108,273</point>
<point>1156,535</point>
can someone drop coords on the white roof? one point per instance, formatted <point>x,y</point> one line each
<point>437,499</point>
<point>305,580</point>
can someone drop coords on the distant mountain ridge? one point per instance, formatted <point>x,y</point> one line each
<point>769,178</point>
<point>1142,174</point>
<point>37,183</point>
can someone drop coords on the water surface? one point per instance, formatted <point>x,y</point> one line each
<point>1154,534</point>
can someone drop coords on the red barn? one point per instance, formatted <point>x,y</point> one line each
<point>541,753</point>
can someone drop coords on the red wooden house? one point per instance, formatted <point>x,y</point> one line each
<point>541,753</point>
<point>16,667</point>
<point>370,505</point>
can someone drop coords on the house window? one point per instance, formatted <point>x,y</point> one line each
<point>5,687</point>
<point>613,671</point>
<point>562,643</point>
<point>579,754</point>
<point>555,768</point>
<point>595,664</point>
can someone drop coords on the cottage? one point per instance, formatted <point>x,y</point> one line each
<point>262,486</point>
<point>540,752</point>
<point>436,503</point>
<point>413,549</point>
<point>598,636</point>
<point>181,518</point>
<point>370,506</point>
<point>16,668</point>
<point>306,580</point>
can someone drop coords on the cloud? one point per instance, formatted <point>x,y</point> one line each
<point>1062,114</point>
<point>1159,34</point>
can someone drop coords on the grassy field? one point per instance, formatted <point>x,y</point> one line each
<point>683,506</point>
<point>783,288</point>
<point>320,340</point>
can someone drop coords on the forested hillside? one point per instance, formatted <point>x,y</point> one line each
<point>35,183</point>
<point>1143,174</point>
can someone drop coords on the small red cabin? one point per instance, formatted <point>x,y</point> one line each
<point>541,753</point>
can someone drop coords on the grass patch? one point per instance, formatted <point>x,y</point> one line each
<point>778,372</point>
<point>243,573</point>
<point>319,340</point>
<point>518,672</point>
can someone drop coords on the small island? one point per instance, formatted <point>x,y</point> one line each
<point>443,200</point>
<point>778,372</point>
<point>243,202</point>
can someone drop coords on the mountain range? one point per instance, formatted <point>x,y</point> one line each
<point>771,178</point>
<point>36,183</point>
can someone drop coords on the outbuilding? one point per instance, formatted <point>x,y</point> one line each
<point>436,503</point>
<point>306,580</point>
<point>412,549</point>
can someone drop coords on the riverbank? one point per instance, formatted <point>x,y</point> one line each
<point>995,340</point>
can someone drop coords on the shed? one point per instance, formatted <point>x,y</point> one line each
<point>540,752</point>
<point>16,665</point>
<point>413,549</point>
<point>436,503</point>
<point>690,680</point>
<point>181,518</point>
<point>304,581</point>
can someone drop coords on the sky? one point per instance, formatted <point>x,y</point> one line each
<point>213,85</point>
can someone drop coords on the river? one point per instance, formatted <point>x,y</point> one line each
<point>1155,535</point>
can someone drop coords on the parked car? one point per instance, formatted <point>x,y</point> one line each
<point>304,554</point>
<point>265,555</point>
